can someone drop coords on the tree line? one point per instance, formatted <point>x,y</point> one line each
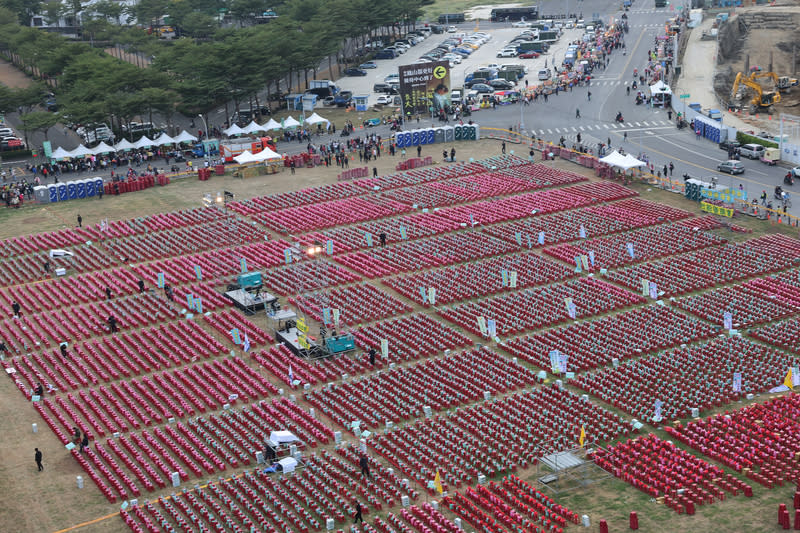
<point>209,64</point>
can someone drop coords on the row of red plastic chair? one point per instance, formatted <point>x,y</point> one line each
<point>357,303</point>
<point>223,262</point>
<point>326,487</point>
<point>698,376</point>
<point>595,343</point>
<point>349,238</point>
<point>18,269</point>
<point>409,337</point>
<point>129,463</point>
<point>512,503</point>
<point>329,214</point>
<point>438,250</point>
<point>496,436</point>
<point>226,321</point>
<point>401,394</point>
<point>278,359</point>
<point>184,240</point>
<point>702,269</point>
<point>648,243</point>
<point>310,195</point>
<point>659,468</point>
<point>540,307</point>
<point>63,292</point>
<point>754,302</point>
<point>784,334</point>
<point>109,359</point>
<point>480,278</point>
<point>760,439</point>
<point>37,242</point>
<point>306,276</point>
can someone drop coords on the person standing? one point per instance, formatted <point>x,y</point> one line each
<point>503,147</point>
<point>108,293</point>
<point>364,464</point>
<point>84,442</point>
<point>382,238</point>
<point>15,308</point>
<point>80,221</point>
<point>140,283</point>
<point>38,458</point>
<point>372,356</point>
<point>358,517</point>
<point>453,154</point>
<point>419,150</point>
<point>671,168</point>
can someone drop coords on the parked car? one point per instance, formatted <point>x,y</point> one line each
<point>353,71</point>
<point>452,29</point>
<point>500,83</point>
<point>368,64</point>
<point>329,100</point>
<point>731,167</point>
<point>343,98</point>
<point>507,52</point>
<point>730,144</point>
<point>482,88</point>
<point>530,54</point>
<point>521,24</point>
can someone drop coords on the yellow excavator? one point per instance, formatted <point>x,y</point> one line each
<point>761,100</point>
<point>782,83</point>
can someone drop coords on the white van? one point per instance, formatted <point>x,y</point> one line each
<point>753,151</point>
<point>544,74</point>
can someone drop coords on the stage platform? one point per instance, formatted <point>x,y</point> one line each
<point>289,338</point>
<point>248,302</point>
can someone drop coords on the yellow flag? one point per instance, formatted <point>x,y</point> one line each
<point>582,438</point>
<point>788,379</point>
<point>437,482</point>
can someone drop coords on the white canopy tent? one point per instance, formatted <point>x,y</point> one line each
<point>144,142</point>
<point>80,151</point>
<point>102,148</point>
<point>123,145</point>
<point>316,119</point>
<point>625,162</point>
<point>60,153</point>
<point>254,127</point>
<point>660,93</point>
<point>272,124</point>
<point>233,130</point>
<point>245,157</point>
<point>266,155</point>
<point>163,139</point>
<point>185,137</point>
<point>289,122</point>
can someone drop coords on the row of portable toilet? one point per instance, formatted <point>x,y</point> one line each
<point>708,129</point>
<point>71,190</point>
<point>443,134</point>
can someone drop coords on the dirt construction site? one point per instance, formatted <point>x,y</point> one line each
<point>761,38</point>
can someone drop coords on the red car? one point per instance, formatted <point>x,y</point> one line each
<point>529,55</point>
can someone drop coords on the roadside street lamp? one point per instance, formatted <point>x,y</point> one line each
<point>205,125</point>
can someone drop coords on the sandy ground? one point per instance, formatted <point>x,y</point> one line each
<point>11,76</point>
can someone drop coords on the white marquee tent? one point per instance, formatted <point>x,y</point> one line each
<point>254,127</point>
<point>245,157</point>
<point>625,162</point>
<point>185,137</point>
<point>102,148</point>
<point>233,130</point>
<point>144,142</point>
<point>316,119</point>
<point>163,139</point>
<point>123,145</point>
<point>60,153</point>
<point>289,122</point>
<point>80,151</point>
<point>272,124</point>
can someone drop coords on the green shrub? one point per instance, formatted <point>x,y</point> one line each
<point>16,154</point>
<point>744,138</point>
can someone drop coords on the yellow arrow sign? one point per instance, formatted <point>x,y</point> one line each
<point>439,72</point>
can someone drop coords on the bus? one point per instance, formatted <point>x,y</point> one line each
<point>502,14</point>
<point>451,18</point>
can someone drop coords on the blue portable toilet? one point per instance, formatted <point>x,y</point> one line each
<point>72,190</point>
<point>80,188</point>
<point>98,185</point>
<point>89,186</point>
<point>52,191</point>
<point>62,192</point>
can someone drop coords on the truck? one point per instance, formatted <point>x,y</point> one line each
<point>199,149</point>
<point>451,18</point>
<point>536,46</point>
<point>661,3</point>
<point>548,36</point>
<point>232,147</point>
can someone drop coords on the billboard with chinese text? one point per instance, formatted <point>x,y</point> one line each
<point>425,88</point>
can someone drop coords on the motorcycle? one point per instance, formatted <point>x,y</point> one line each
<point>788,179</point>
<point>639,100</point>
<point>619,118</point>
<point>681,124</point>
<point>778,193</point>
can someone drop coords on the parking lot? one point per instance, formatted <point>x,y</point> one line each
<point>486,54</point>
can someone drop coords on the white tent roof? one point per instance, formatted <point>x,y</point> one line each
<point>185,137</point>
<point>163,139</point>
<point>266,154</point>
<point>80,151</point>
<point>289,122</point>
<point>627,161</point>
<point>233,130</point>
<point>144,142</point>
<point>254,127</point>
<point>314,119</point>
<point>60,153</point>
<point>660,87</point>
<point>245,157</point>
<point>102,148</point>
<point>124,144</point>
<point>272,124</point>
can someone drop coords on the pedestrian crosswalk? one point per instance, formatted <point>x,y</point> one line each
<point>602,127</point>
